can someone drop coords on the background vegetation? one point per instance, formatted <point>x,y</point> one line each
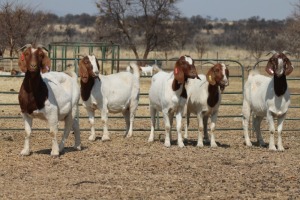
<point>145,26</point>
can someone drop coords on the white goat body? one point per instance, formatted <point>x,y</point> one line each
<point>164,97</point>
<point>61,93</point>
<point>113,93</point>
<point>261,101</point>
<point>200,104</point>
<point>267,97</point>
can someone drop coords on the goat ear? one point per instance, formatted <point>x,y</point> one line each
<point>210,77</point>
<point>83,72</point>
<point>289,68</point>
<point>269,68</point>
<point>178,74</point>
<point>22,63</point>
<point>46,64</point>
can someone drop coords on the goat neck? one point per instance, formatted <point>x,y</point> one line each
<point>33,92</point>
<point>280,85</point>
<point>213,95</point>
<point>86,88</point>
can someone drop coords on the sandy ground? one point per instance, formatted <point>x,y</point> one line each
<point>132,168</point>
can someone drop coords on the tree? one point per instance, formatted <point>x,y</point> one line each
<point>19,25</point>
<point>139,22</point>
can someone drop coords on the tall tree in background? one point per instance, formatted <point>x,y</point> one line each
<point>19,25</point>
<point>143,23</point>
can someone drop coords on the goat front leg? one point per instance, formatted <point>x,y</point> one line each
<point>91,114</point>
<point>200,130</point>
<point>28,125</point>
<point>178,127</point>
<point>187,123</point>
<point>270,120</point>
<point>53,133</point>
<point>280,121</point>
<point>212,129</point>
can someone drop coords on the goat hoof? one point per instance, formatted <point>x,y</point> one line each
<point>77,147</point>
<point>181,145</point>
<point>105,138</point>
<point>54,153</point>
<point>92,138</point>
<point>214,145</point>
<point>167,144</point>
<point>25,152</point>
<point>272,148</point>
<point>200,145</point>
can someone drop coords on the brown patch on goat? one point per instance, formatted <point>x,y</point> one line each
<point>33,92</point>
<point>182,71</point>
<point>87,76</point>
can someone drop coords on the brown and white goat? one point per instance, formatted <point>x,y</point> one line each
<point>267,97</point>
<point>50,96</point>
<point>114,93</point>
<point>167,94</point>
<point>204,98</point>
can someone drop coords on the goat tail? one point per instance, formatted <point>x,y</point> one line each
<point>70,70</point>
<point>253,73</point>
<point>156,68</point>
<point>135,68</point>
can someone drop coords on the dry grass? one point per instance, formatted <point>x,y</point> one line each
<point>134,169</point>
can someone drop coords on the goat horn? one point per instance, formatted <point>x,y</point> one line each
<point>273,52</point>
<point>41,46</point>
<point>286,52</point>
<point>24,47</point>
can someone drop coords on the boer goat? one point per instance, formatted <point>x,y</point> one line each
<point>204,98</point>
<point>167,94</point>
<point>270,97</point>
<point>113,93</point>
<point>49,96</point>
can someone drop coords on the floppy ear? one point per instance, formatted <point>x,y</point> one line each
<point>210,76</point>
<point>269,68</point>
<point>178,74</point>
<point>83,72</point>
<point>46,64</point>
<point>289,68</point>
<point>22,63</point>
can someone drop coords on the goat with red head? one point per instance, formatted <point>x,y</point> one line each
<point>168,94</point>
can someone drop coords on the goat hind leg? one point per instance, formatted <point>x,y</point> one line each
<point>256,125</point>
<point>91,114</point>
<point>68,126</point>
<point>153,115</point>
<point>246,117</point>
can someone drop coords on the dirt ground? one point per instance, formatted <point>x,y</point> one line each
<point>132,168</point>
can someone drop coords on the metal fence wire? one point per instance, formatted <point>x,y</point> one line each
<point>229,118</point>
